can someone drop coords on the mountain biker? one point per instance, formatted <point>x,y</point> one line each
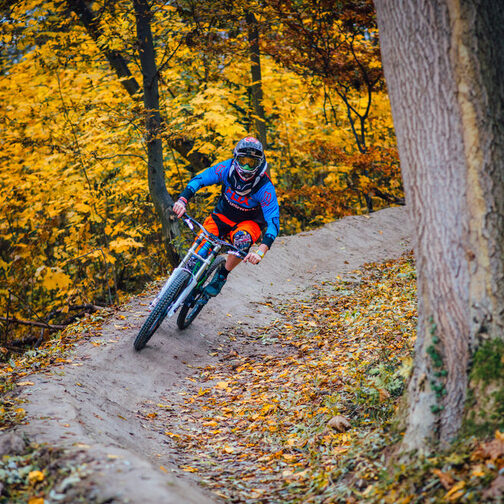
<point>247,205</point>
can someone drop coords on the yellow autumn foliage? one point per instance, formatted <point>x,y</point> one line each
<point>77,222</point>
<point>53,278</point>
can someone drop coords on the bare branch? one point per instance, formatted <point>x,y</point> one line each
<point>51,327</point>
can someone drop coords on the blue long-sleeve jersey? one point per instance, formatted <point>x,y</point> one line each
<point>260,205</point>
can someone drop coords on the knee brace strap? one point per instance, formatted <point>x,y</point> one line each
<point>242,240</point>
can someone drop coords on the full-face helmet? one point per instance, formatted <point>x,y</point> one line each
<point>249,157</point>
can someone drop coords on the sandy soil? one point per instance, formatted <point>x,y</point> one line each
<point>94,406</point>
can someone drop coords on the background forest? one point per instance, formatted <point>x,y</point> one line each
<point>78,227</point>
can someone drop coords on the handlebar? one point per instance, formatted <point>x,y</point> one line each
<point>190,222</point>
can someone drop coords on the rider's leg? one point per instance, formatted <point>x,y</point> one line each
<point>215,286</point>
<point>214,225</point>
<point>232,261</point>
<point>218,225</point>
<point>218,281</point>
<point>243,241</point>
<point>243,237</point>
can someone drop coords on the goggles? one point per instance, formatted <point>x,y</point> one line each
<point>249,163</point>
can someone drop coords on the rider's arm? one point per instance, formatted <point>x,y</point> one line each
<point>257,255</point>
<point>179,207</point>
<point>213,175</point>
<point>271,212</point>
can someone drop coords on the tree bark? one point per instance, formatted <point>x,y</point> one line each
<point>155,170</point>
<point>443,63</point>
<point>255,68</point>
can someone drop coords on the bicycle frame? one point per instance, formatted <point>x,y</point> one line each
<point>216,245</point>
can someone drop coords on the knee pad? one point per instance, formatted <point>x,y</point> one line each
<point>242,240</point>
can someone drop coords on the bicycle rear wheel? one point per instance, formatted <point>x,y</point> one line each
<point>159,312</point>
<point>196,300</point>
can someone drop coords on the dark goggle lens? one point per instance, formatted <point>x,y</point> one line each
<point>252,162</point>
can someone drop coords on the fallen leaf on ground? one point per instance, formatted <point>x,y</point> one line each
<point>339,423</point>
<point>35,476</point>
<point>445,478</point>
<point>455,491</point>
<point>496,489</point>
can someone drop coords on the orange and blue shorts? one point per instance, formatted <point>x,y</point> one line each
<point>223,227</point>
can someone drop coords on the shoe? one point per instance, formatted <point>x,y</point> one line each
<point>215,286</point>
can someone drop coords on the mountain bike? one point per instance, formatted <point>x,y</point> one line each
<point>185,288</point>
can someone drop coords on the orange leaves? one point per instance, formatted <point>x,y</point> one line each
<point>36,500</point>
<point>446,479</point>
<point>468,471</point>
<point>73,183</point>
<point>311,206</point>
<point>122,244</point>
<point>72,178</point>
<point>35,477</point>
<point>455,492</point>
<point>53,278</point>
<point>187,468</point>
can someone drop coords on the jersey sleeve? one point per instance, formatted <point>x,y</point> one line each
<point>271,211</point>
<point>213,175</point>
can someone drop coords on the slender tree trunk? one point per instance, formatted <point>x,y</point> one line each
<point>256,88</point>
<point>444,64</point>
<point>155,171</point>
<point>119,64</point>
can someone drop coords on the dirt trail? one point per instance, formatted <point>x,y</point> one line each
<point>92,405</point>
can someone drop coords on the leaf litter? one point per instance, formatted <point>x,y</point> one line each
<point>40,473</point>
<point>276,425</point>
<point>307,415</point>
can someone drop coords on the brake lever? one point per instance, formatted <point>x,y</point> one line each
<point>189,223</point>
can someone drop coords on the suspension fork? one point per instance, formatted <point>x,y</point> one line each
<point>206,262</point>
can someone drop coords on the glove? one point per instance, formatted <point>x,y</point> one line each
<point>179,207</point>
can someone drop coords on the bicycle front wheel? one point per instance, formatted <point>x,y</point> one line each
<point>157,315</point>
<point>196,300</point>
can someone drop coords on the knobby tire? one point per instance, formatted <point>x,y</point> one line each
<point>191,309</point>
<point>159,312</point>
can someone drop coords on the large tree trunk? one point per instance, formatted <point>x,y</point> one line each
<point>255,68</point>
<point>444,63</point>
<point>155,171</point>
